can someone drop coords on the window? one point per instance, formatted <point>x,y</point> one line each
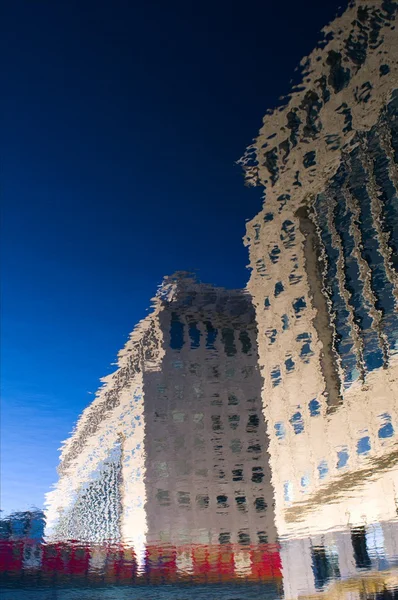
<point>244,339</point>
<point>386,430</point>
<point>178,417</point>
<point>194,335</point>
<point>253,423</point>
<point>224,538</point>
<point>297,423</point>
<point>244,537</point>
<point>228,339</point>
<point>276,376</point>
<point>233,421</point>
<point>363,445</point>
<point>278,289</point>
<point>288,491</point>
<point>298,306</point>
<point>211,335</point>
<point>254,448</point>
<point>232,400</point>
<point>257,474</point>
<point>314,408</point>
<point>342,458</point>
<point>285,322</point>
<point>260,505</point>
<point>237,474</point>
<point>241,503</point>
<point>216,422</point>
<point>323,469</point>
<point>280,430</point>
<point>262,537</point>
<point>305,481</point>
<point>197,418</point>
<point>236,445</point>
<point>222,501</point>
<point>163,497</point>
<point>289,364</point>
<point>176,333</point>
<point>183,498</point>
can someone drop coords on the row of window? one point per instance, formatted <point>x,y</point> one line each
<point>229,337</point>
<point>196,369</point>
<point>297,422</point>
<point>363,448</point>
<point>203,500</point>
<point>161,470</point>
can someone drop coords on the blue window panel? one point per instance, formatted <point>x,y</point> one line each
<point>305,481</point>
<point>363,445</point>
<point>323,469</point>
<point>289,364</point>
<point>386,431</point>
<point>297,423</point>
<point>280,430</point>
<point>288,491</point>
<point>342,459</point>
<point>314,408</point>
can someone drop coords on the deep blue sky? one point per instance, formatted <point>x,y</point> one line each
<point>123,121</point>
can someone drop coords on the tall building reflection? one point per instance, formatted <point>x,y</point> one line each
<point>173,451</point>
<point>254,432</point>
<point>324,284</point>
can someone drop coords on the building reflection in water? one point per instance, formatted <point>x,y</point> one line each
<point>251,435</point>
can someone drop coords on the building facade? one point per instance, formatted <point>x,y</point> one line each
<point>323,253</point>
<point>173,450</point>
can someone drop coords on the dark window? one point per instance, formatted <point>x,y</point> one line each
<point>241,503</point>
<point>245,341</point>
<point>216,422</point>
<point>299,305</point>
<point>237,474</point>
<point>224,538</point>
<point>222,501</point>
<point>211,335</point>
<point>262,537</point>
<point>228,340</point>
<point>176,333</point>
<point>194,335</point>
<point>260,505</point>
<point>243,538</point>
<point>252,424</point>
<point>358,540</point>
<point>232,399</point>
<point>278,289</point>
<point>163,497</point>
<point>233,421</point>
<point>321,566</point>
<point>254,448</point>
<point>257,474</point>
<point>289,364</point>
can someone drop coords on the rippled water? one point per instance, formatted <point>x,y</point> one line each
<point>246,446</point>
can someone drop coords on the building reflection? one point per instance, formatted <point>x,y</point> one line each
<point>174,450</point>
<point>251,434</point>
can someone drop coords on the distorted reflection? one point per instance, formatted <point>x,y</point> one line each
<point>246,446</point>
